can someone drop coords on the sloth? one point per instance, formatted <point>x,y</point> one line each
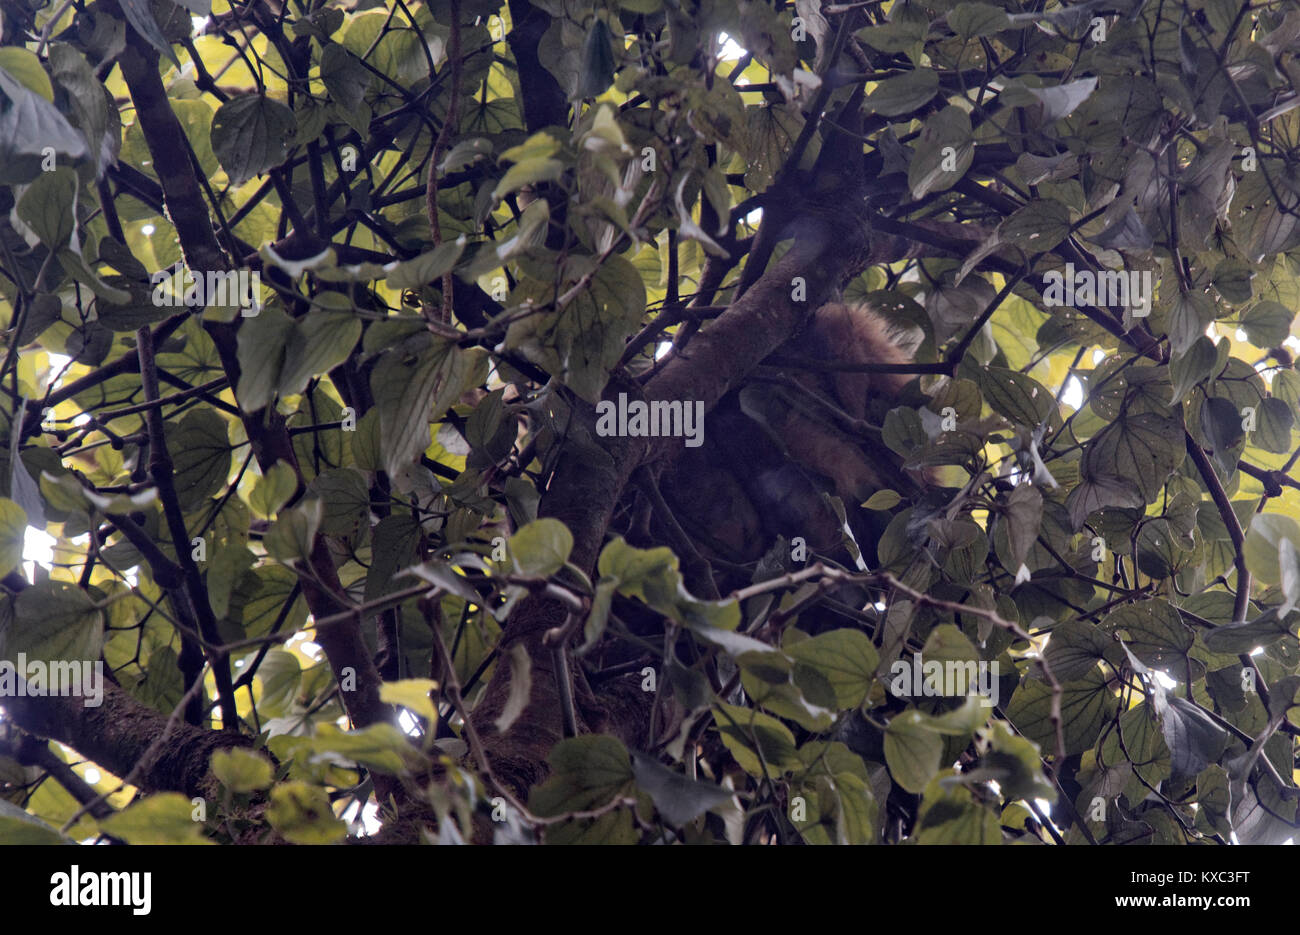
<point>778,449</point>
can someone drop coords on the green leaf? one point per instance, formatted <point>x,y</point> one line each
<point>26,67</point>
<point>1075,649</point>
<point>904,93</point>
<point>1286,387</point>
<point>528,172</point>
<point>23,828</point>
<point>303,815</point>
<point>1264,541</point>
<point>250,134</point>
<point>846,658</point>
<point>29,124</point>
<point>1024,519</point>
<point>964,720</point>
<point>53,622</point>
<point>224,574</point>
<point>162,818</point>
<point>901,33</point>
<point>1232,279</point>
<point>652,576</point>
<point>949,814</point>
<point>1267,324</point>
<point>242,770</point>
<point>1099,491</point>
<point>1214,798</point>
<point>799,693</point>
<point>637,571</point>
<point>1020,398</point>
<point>262,341</point>
<point>164,687</point>
<point>1144,745</point>
<point>63,492</point>
<point>133,308</point>
<point>969,20</point>
<point>597,72</point>
<point>1062,100</point>
<point>43,311</point>
<point>1038,226</point>
<point>140,14</point>
<point>541,548</point>
<point>1155,633</point>
<point>912,749</point>
<point>414,385</point>
<point>521,687</point>
<point>273,489</point>
<point>734,644</point>
<point>943,153</point>
<point>1086,705</point>
<point>1289,560</point>
<point>201,457</point>
<point>768,134</point>
<point>756,740</point>
<point>49,207</point>
<point>345,78</point>
<point>947,643</point>
<point>598,617</point>
<point>678,798</point>
<point>393,543</point>
<point>466,153</point>
<point>538,146</point>
<point>856,819</point>
<point>427,267</point>
<point>1015,763</point>
<point>294,532</point>
<point>1144,448</point>
<point>281,675</point>
<point>13,530</point>
<point>882,500</point>
<point>1191,369</point>
<point>1195,740</point>
<point>367,447</point>
<point>412,694</point>
<point>345,501</point>
<point>382,747</point>
<point>1273,431</point>
<point>1189,316</point>
<point>1238,638</point>
<point>320,341</point>
<point>484,422</point>
<point>587,773</point>
<point>582,342</point>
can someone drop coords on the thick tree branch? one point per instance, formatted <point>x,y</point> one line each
<point>120,732</point>
<point>34,751</point>
<point>348,655</point>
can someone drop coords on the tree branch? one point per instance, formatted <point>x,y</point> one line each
<point>163,473</point>
<point>1229,517</point>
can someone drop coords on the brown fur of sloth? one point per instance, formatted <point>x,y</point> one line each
<point>771,451</point>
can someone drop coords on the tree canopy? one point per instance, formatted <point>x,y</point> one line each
<point>311,307</point>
